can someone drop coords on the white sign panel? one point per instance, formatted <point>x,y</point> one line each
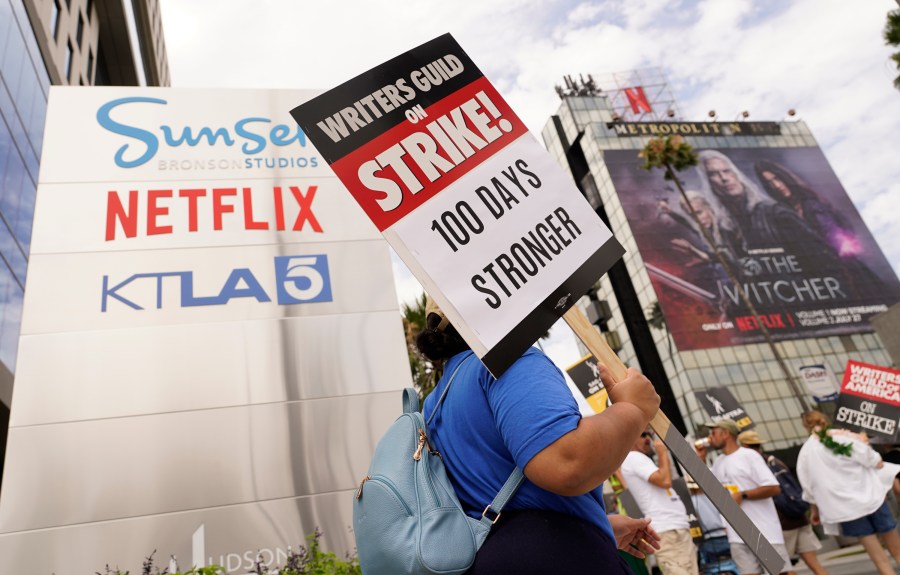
<point>479,212</point>
<point>152,134</point>
<point>820,381</point>
<point>198,284</point>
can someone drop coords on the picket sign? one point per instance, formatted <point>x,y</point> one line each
<point>438,160</point>
<point>680,448</point>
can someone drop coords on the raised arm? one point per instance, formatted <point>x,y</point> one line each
<point>582,459</point>
<point>662,477</point>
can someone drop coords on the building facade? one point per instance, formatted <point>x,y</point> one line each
<point>696,339</point>
<point>55,42</point>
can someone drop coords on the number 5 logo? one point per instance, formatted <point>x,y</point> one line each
<point>302,279</point>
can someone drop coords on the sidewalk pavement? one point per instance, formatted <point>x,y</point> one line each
<point>850,560</point>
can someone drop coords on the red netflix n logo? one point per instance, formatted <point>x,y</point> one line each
<point>638,100</point>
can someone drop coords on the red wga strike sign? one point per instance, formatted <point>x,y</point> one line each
<point>482,215</point>
<point>870,400</point>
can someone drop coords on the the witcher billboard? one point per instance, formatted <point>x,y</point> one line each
<point>780,220</point>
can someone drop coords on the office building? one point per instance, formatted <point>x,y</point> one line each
<point>672,309</point>
<point>55,42</point>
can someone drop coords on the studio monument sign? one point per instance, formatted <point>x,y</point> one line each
<point>198,280</point>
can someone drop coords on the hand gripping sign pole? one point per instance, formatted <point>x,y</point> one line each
<point>481,214</point>
<point>681,449</point>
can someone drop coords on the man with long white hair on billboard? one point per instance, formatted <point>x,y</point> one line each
<point>761,221</point>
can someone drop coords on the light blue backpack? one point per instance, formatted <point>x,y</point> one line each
<point>406,516</point>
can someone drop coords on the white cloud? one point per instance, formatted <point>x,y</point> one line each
<point>586,12</point>
<point>825,58</point>
<point>561,345</point>
<point>408,287</point>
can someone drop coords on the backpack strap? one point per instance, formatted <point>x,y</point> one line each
<point>491,513</point>
<point>447,388</point>
<point>410,400</point>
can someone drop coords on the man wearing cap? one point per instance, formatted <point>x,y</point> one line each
<point>799,538</point>
<point>651,487</point>
<point>752,486</point>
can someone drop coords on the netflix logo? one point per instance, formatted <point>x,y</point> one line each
<point>154,212</point>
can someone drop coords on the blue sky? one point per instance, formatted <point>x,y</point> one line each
<point>824,58</point>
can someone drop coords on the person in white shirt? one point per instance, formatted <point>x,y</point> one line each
<point>798,534</point>
<point>752,485</point>
<point>845,481</point>
<point>651,486</point>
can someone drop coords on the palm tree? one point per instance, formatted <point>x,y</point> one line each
<point>425,373</point>
<point>657,320</point>
<point>655,317</point>
<point>673,154</point>
<point>892,38</point>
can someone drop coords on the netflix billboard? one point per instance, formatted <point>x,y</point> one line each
<point>782,223</point>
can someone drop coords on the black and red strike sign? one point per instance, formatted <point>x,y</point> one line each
<point>870,400</point>
<point>438,160</point>
<point>413,136</point>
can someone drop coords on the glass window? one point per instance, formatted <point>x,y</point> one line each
<point>25,217</point>
<point>754,351</point>
<point>781,411</point>
<point>79,32</point>
<point>13,177</point>
<point>701,357</point>
<point>23,105</point>
<point>68,65</point>
<point>54,19</point>
<point>722,375</point>
<point>750,374</point>
<point>753,410</point>
<point>847,343</point>
<point>742,393</point>
<point>12,255</point>
<point>13,57</point>
<point>12,318</point>
<point>797,427</point>
<point>758,393</point>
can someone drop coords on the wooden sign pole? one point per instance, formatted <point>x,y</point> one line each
<point>681,449</point>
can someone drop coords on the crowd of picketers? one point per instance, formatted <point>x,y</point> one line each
<point>840,487</point>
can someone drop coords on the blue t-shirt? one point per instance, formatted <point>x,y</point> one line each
<point>487,426</point>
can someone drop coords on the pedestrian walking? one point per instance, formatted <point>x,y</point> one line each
<point>845,481</point>
<point>651,485</point>
<point>799,538</point>
<point>752,486</point>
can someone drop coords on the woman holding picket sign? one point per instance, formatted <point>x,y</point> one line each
<point>486,426</point>
<point>846,482</point>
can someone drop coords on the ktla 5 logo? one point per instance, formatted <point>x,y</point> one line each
<point>298,279</point>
